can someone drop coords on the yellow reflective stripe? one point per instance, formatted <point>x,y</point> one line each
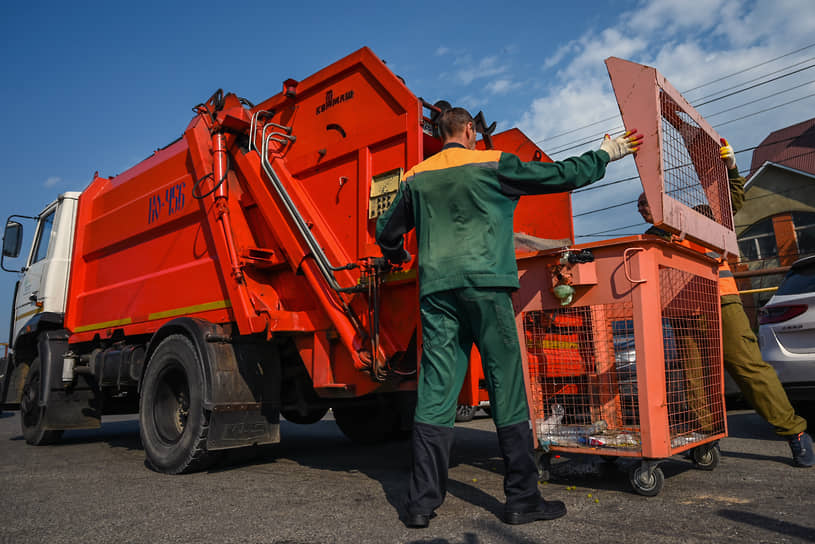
<point>104,325</point>
<point>217,305</point>
<point>23,316</point>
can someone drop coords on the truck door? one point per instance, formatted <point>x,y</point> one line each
<point>28,302</point>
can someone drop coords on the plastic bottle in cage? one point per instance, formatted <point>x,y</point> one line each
<point>619,440</point>
<point>549,424</point>
<point>551,431</point>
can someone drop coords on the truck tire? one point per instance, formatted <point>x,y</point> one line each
<point>465,412</point>
<point>312,415</point>
<point>32,415</point>
<point>172,421</point>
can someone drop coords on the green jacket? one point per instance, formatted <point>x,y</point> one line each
<point>461,203</point>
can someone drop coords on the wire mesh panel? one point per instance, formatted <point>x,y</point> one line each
<point>693,369</point>
<point>583,379</point>
<point>683,177</point>
<point>693,172</point>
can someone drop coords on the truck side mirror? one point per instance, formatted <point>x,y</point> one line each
<point>12,239</point>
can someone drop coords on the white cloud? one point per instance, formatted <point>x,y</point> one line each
<point>558,56</point>
<point>472,103</point>
<point>442,51</point>
<point>52,181</point>
<point>670,16</point>
<point>502,86</point>
<point>486,67</point>
<point>691,43</point>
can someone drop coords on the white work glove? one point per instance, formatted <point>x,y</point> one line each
<point>727,154</point>
<point>619,147</point>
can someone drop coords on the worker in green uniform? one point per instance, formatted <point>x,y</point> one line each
<point>461,202</point>
<point>756,379</point>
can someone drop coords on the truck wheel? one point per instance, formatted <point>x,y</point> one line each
<point>172,420</point>
<point>312,415</point>
<point>32,415</point>
<point>465,412</point>
<point>367,424</point>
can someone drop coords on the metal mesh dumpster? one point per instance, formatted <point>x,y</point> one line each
<point>631,365</point>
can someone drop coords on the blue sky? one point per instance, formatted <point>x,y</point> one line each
<point>93,86</point>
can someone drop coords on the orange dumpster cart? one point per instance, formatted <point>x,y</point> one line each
<point>632,368</point>
<point>623,345</point>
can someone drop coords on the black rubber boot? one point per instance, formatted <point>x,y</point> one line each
<point>428,480</point>
<point>524,503</point>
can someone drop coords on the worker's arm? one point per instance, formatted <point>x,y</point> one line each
<point>736,181</point>
<point>393,224</point>
<point>533,178</point>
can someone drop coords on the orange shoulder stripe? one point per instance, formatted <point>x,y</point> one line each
<point>452,157</point>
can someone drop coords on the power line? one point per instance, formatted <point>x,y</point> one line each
<point>592,187</point>
<point>596,234</point>
<point>746,149</point>
<point>765,110</point>
<point>753,86</point>
<point>705,85</point>
<point>626,203</point>
<point>793,65</point>
<point>760,99</point>
<point>750,68</point>
<point>616,229</point>
<point>620,127</point>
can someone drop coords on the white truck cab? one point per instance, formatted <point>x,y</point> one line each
<point>40,295</point>
<point>43,285</point>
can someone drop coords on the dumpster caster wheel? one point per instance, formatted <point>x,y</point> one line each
<point>544,463</point>
<point>706,457</point>
<point>646,480</point>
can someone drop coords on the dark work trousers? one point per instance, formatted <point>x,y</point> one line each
<point>451,322</point>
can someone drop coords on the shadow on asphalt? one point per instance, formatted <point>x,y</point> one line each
<point>769,524</point>
<point>750,425</point>
<point>323,446</point>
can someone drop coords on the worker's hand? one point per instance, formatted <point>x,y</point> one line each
<point>727,154</point>
<point>619,147</point>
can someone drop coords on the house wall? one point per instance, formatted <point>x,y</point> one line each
<point>775,191</point>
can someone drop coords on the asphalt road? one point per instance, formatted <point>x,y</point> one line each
<point>317,487</point>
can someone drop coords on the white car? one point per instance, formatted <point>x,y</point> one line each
<point>787,333</point>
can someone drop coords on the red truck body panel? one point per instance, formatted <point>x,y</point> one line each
<point>148,251</point>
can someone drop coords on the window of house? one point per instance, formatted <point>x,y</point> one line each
<point>804,223</point>
<point>758,241</point>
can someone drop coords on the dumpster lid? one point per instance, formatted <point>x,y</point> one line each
<point>678,163</point>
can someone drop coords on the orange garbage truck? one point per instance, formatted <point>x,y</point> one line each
<point>232,277</point>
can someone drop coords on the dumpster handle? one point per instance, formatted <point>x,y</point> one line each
<point>625,264</point>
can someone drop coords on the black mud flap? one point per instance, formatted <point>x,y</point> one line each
<point>233,429</point>
<point>7,402</point>
<point>75,407</point>
<point>245,396</point>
